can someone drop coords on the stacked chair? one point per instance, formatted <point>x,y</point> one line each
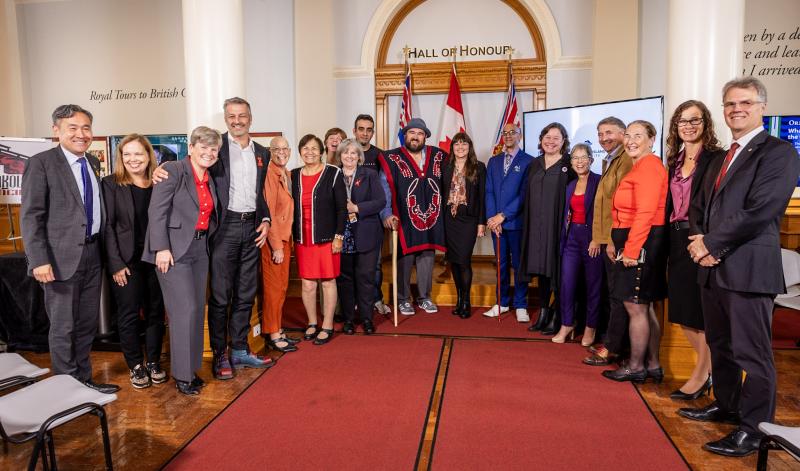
<point>34,408</point>
<point>786,438</point>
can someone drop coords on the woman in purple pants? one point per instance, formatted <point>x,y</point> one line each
<point>576,256</point>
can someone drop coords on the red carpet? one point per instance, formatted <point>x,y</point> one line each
<point>441,323</point>
<point>785,326</point>
<point>355,403</point>
<point>515,405</point>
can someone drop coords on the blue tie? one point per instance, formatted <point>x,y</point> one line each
<point>88,195</point>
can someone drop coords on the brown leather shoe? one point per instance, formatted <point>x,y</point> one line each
<point>596,360</point>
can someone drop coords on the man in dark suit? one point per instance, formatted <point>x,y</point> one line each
<point>61,219</point>
<point>244,222</point>
<point>506,175</point>
<point>738,213</point>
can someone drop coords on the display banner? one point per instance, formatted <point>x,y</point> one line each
<point>14,155</point>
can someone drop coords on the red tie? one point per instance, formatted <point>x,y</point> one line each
<point>725,164</point>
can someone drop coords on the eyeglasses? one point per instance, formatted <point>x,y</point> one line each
<point>279,149</point>
<point>509,133</point>
<point>682,123</point>
<point>745,105</point>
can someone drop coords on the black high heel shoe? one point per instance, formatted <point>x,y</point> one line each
<point>312,335</point>
<point>682,396</point>
<point>542,320</point>
<point>319,341</point>
<point>657,374</point>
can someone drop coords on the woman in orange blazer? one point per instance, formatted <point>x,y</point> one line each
<point>275,254</point>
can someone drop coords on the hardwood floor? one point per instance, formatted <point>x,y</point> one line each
<point>149,426</point>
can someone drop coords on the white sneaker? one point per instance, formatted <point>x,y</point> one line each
<point>493,311</point>
<point>522,315</point>
<point>382,308</point>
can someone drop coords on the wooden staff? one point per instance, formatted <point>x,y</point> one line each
<point>497,286</point>
<point>394,274</point>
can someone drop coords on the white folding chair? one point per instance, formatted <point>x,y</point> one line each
<point>16,371</point>
<point>786,438</point>
<point>34,411</point>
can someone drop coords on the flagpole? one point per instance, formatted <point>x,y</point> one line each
<point>406,49</point>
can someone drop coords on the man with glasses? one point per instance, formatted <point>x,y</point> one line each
<point>737,216</point>
<point>506,175</point>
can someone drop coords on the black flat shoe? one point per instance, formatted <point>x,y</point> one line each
<point>656,373</point>
<point>624,373</point>
<point>369,327</point>
<point>319,341</point>
<point>197,382</point>
<point>710,413</point>
<point>736,444</point>
<point>185,387</point>
<point>286,348</point>
<point>348,328</point>
<point>682,396</point>
<point>313,335</point>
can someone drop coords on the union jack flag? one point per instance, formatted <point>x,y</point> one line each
<point>510,112</point>
<point>405,106</point>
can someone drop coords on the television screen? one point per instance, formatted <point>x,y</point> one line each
<point>581,123</point>
<point>166,146</point>
<point>784,127</point>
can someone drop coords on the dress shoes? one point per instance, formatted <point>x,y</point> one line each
<point>197,382</point>
<point>710,413</point>
<point>369,327</point>
<point>657,374</point>
<point>596,359</point>
<point>101,387</point>
<point>328,336</point>
<point>221,367</point>
<point>348,328</point>
<point>624,373</point>
<point>282,345</point>
<point>311,335</point>
<point>736,444</point>
<point>185,387</point>
<point>682,396</point>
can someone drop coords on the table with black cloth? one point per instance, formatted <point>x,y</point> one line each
<point>23,320</point>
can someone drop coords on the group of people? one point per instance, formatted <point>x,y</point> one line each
<point>602,247</point>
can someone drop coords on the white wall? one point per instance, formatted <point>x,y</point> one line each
<point>70,49</point>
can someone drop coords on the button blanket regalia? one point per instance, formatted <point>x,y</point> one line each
<point>417,198</point>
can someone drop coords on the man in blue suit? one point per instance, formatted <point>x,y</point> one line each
<point>506,175</point>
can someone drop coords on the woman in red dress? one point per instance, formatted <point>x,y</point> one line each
<point>320,209</point>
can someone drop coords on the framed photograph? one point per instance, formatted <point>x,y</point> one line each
<point>99,149</point>
<point>166,146</point>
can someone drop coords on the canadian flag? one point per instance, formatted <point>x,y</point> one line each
<point>453,122</point>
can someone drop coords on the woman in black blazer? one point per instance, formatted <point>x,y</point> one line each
<point>363,234</point>
<point>320,209</point>
<point>691,146</point>
<point>464,184</point>
<point>126,194</point>
<point>182,219</point>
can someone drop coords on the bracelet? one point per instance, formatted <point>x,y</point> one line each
<point>339,237</point>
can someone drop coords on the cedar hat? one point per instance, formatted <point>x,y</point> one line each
<point>417,123</point>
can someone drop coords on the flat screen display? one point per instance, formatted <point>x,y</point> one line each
<point>581,123</point>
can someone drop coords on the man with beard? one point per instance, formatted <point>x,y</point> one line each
<point>616,164</point>
<point>363,130</point>
<point>414,174</point>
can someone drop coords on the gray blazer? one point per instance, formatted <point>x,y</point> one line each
<point>174,209</point>
<point>52,216</point>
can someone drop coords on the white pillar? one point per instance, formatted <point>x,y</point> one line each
<point>705,48</point>
<point>213,54</point>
